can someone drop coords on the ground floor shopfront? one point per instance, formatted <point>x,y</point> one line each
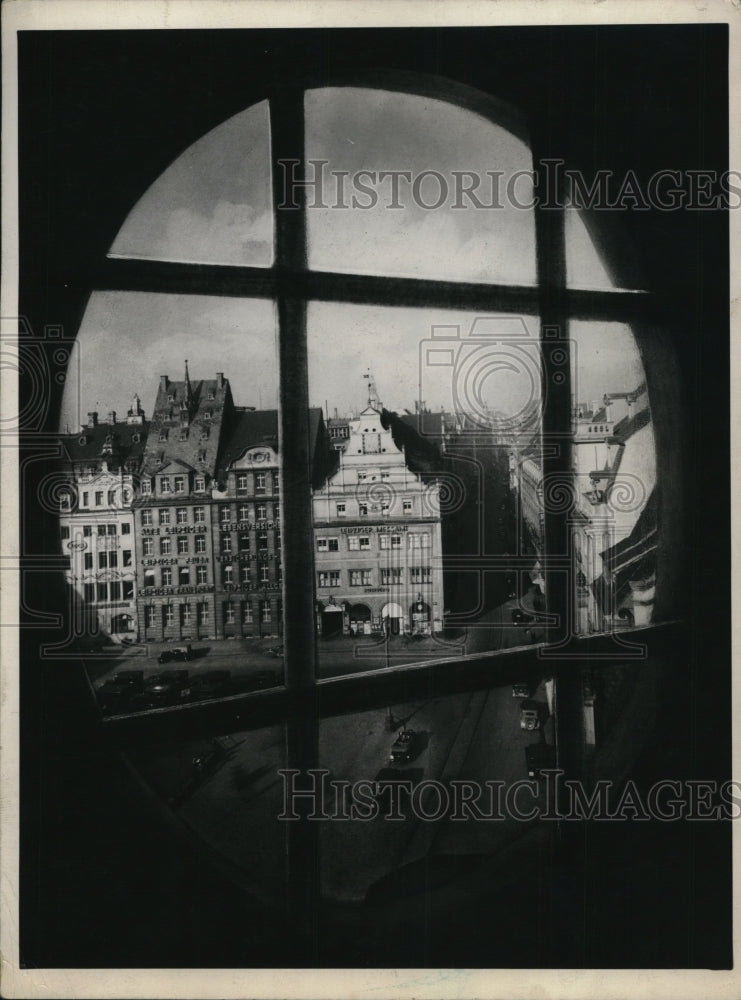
<point>404,613</point>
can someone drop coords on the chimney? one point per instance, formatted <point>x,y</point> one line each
<point>111,416</point>
<point>92,419</point>
<point>608,407</point>
<point>219,380</point>
<point>164,382</point>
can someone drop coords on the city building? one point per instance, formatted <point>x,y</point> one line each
<point>377,538</point>
<point>96,522</point>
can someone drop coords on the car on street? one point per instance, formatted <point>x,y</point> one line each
<point>214,684</point>
<point>407,746</point>
<point>165,687</point>
<point>180,653</point>
<point>520,690</point>
<point>117,693</point>
<point>529,715</point>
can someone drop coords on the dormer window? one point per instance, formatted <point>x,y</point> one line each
<point>211,394</point>
<point>163,435</point>
<point>204,434</point>
<point>201,456</point>
<point>184,435</point>
<point>171,397</point>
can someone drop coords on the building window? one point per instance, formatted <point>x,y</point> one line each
<point>99,499</point>
<point>245,574</point>
<point>419,540</point>
<point>146,518</point>
<point>145,487</point>
<point>262,542</point>
<point>242,482</point>
<point>126,557</point>
<point>260,482</point>
<point>228,573</point>
<point>125,528</point>
<point>244,542</point>
<point>201,574</point>
<point>167,577</point>
<point>329,578</point>
<point>226,543</point>
<point>102,529</point>
<point>200,544</point>
<point>364,543</point>
<point>111,529</point>
<point>328,544</point>
<point>390,541</point>
<point>185,615</point>
<point>266,612</point>
<point>361,577</point>
<point>111,498</point>
<point>181,515</point>
<point>149,578</point>
<point>363,509</point>
<point>407,505</point>
<point>85,499</point>
<point>115,590</point>
<point>420,574</point>
<point>203,613</point>
<point>243,512</point>
<point>183,437</point>
<point>199,515</point>
<point>358,543</point>
<point>149,617</point>
<point>264,574</point>
<point>164,484</point>
<point>87,530</point>
<point>229,614</point>
<point>276,484</point>
<point>199,484</point>
<point>102,560</point>
<point>225,515</point>
<point>169,611</point>
<point>247,617</point>
<point>183,576</point>
<point>64,501</point>
<point>64,532</point>
<point>340,509</point>
<point>182,545</point>
<point>88,560</point>
<point>165,546</point>
<point>147,546</point>
<point>89,593</point>
<point>127,588</point>
<point>392,575</point>
<point>261,512</point>
<point>385,507</point>
<point>102,590</point>
<point>276,511</point>
<point>164,516</point>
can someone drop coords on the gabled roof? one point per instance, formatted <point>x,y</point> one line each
<point>129,442</point>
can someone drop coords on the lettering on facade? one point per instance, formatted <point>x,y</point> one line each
<point>375,590</point>
<point>380,529</point>
<point>76,546</point>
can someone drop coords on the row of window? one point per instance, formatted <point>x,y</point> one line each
<point>102,529</point>
<point>246,609</point>
<point>244,513</point>
<point>107,560</point>
<point>178,484</point>
<point>101,498</point>
<point>364,507</point>
<point>392,575</point>
<point>113,590</point>
<point>362,543</point>
<point>183,578</point>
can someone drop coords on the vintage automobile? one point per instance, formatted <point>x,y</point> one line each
<point>521,690</point>
<point>529,715</point>
<point>407,746</point>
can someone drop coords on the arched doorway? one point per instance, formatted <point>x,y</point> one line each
<point>359,618</point>
<point>122,623</point>
<point>331,619</point>
<point>392,615</point>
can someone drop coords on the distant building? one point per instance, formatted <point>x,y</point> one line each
<point>377,537</point>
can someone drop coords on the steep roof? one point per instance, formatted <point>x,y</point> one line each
<point>128,442</point>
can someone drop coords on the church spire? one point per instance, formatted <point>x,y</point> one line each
<point>188,391</point>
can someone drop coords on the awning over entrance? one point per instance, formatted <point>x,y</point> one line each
<point>392,611</point>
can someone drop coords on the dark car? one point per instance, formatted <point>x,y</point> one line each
<point>118,692</point>
<point>407,746</point>
<point>165,686</point>
<point>520,690</point>
<point>529,715</point>
<point>165,656</point>
<point>214,684</point>
<point>182,653</point>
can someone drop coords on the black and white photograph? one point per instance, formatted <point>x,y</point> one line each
<point>367,474</point>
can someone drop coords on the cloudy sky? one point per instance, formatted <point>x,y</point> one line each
<point>213,205</point>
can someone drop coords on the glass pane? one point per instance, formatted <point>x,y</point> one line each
<point>171,511</point>
<point>416,544</point>
<point>584,266</point>
<point>405,772</point>
<point>392,194</point>
<point>213,205</point>
<point>614,456</point>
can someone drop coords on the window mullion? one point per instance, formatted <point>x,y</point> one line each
<point>303,886</point>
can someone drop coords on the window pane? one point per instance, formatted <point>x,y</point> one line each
<point>391,193</point>
<point>614,455</point>
<point>203,584</point>
<point>213,204</point>
<point>417,550</point>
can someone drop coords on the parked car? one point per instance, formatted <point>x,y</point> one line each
<point>520,690</point>
<point>118,692</point>
<point>214,684</point>
<point>182,653</point>
<point>407,746</point>
<point>165,656</point>
<point>529,715</point>
<point>165,686</point>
